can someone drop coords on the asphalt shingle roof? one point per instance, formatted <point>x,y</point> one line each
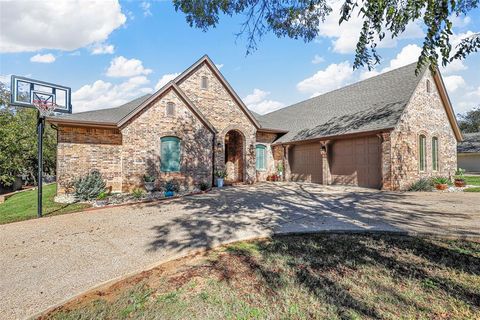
<point>470,143</point>
<point>373,104</point>
<point>110,115</point>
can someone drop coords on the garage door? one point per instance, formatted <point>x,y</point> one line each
<point>306,163</point>
<point>356,162</point>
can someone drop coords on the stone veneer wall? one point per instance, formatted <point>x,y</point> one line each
<point>426,115</point>
<point>221,110</point>
<point>266,139</point>
<point>81,150</point>
<point>141,145</point>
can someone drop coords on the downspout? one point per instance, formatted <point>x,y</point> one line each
<point>213,159</point>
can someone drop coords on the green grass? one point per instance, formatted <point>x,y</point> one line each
<point>472,180</point>
<point>23,206</point>
<point>301,277</point>
<point>472,189</point>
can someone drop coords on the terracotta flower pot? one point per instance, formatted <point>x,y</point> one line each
<point>460,183</point>
<point>441,186</point>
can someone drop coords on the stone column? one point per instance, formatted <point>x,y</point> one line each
<point>386,160</point>
<point>286,163</point>
<point>324,151</point>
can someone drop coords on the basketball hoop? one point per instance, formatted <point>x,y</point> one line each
<point>45,108</point>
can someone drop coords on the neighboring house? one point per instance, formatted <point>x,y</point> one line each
<point>468,152</point>
<point>384,132</point>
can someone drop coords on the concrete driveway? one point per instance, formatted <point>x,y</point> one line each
<point>46,261</point>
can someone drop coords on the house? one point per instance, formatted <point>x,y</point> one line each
<point>384,132</point>
<point>468,152</point>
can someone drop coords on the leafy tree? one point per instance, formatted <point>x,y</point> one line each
<point>18,142</point>
<point>300,19</point>
<point>470,121</point>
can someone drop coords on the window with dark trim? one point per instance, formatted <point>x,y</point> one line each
<point>260,153</point>
<point>204,82</point>
<point>170,109</point>
<point>170,151</point>
<point>422,151</point>
<point>435,153</point>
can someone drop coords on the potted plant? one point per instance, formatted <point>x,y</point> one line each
<point>221,175</point>
<point>280,171</point>
<point>170,188</point>
<point>149,182</point>
<point>102,199</point>
<point>459,178</point>
<point>441,183</point>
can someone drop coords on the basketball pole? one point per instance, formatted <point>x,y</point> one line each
<point>40,128</point>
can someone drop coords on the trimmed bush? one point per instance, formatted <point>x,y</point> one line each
<point>89,186</point>
<point>204,186</point>
<point>424,184</point>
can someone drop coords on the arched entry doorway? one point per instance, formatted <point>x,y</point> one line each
<point>234,163</point>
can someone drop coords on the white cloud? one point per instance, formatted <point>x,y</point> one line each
<point>407,55</point>
<point>145,5</point>
<point>64,25</point>
<point>101,94</point>
<point>453,83</point>
<point>102,48</point>
<point>333,77</point>
<point>43,58</point>
<point>165,79</point>
<point>219,66</point>
<point>368,74</point>
<point>345,36</point>
<point>318,59</point>
<point>257,102</point>
<point>123,67</point>
<point>454,66</point>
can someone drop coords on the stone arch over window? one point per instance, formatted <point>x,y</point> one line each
<point>170,154</point>
<point>170,111</point>
<point>422,152</point>
<point>435,153</point>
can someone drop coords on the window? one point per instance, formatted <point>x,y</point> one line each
<point>422,150</point>
<point>170,154</point>
<point>428,86</point>
<point>170,109</point>
<point>204,82</point>
<point>260,152</point>
<point>435,153</point>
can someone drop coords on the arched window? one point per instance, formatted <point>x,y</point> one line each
<point>170,152</point>
<point>435,153</point>
<point>170,109</point>
<point>204,82</point>
<point>422,151</point>
<point>260,152</point>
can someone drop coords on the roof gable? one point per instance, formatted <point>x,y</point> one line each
<point>207,61</point>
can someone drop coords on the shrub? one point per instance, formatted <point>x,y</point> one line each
<point>102,195</point>
<point>172,185</point>
<point>138,193</point>
<point>440,180</point>
<point>148,178</point>
<point>204,186</point>
<point>460,173</point>
<point>89,186</point>
<point>222,174</point>
<point>423,184</point>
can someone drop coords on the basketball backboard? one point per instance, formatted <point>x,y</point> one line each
<point>25,92</point>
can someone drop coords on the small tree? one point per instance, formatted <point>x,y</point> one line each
<point>470,121</point>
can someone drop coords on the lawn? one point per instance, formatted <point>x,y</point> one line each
<point>472,180</point>
<point>23,206</point>
<point>301,277</point>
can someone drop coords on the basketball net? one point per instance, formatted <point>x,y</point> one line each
<point>45,108</point>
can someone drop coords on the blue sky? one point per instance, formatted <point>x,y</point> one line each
<point>111,52</point>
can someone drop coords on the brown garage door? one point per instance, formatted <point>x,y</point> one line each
<point>306,163</point>
<point>356,162</point>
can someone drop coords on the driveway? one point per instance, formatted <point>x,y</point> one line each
<point>46,261</point>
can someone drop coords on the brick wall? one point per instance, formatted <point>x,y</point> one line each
<point>141,145</point>
<point>221,110</point>
<point>426,115</point>
<point>81,150</point>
